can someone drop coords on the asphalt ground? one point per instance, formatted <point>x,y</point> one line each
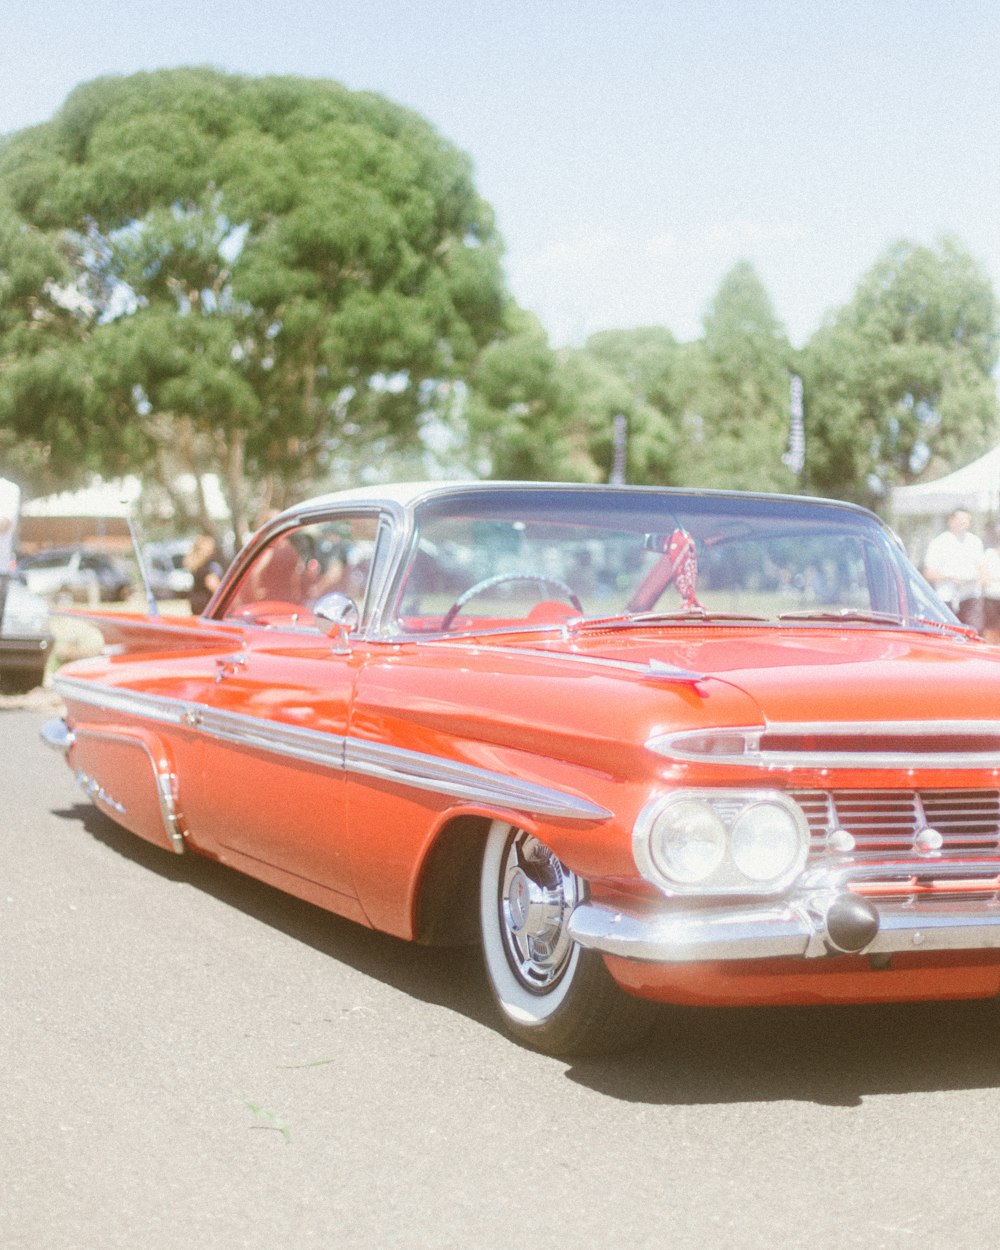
<point>192,1059</point>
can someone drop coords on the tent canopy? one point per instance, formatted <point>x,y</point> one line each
<point>99,499</point>
<point>975,487</point>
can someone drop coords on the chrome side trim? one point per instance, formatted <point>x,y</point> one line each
<point>312,746</point>
<point>113,699</point>
<point>465,781</point>
<point>412,769</point>
<point>747,745</point>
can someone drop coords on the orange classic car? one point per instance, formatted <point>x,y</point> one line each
<point>644,745</point>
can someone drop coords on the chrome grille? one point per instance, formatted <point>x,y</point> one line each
<point>886,821</point>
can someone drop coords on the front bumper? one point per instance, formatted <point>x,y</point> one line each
<point>835,921</point>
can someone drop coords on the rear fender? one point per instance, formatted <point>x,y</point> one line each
<point>129,774</point>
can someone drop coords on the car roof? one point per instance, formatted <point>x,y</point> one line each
<point>406,495</point>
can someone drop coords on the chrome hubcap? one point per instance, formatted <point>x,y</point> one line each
<point>537,895</point>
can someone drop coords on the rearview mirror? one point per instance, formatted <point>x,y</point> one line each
<point>337,616</point>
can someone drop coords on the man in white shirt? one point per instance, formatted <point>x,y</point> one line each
<point>954,565</point>
<point>10,508</point>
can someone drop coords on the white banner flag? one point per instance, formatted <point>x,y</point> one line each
<point>795,456</point>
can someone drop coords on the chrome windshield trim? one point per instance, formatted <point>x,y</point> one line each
<point>354,756</point>
<point>747,745</point>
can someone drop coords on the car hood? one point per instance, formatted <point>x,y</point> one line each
<point>817,674</point>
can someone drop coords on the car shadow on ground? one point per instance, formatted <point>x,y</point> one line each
<point>834,1056</point>
<point>449,976</point>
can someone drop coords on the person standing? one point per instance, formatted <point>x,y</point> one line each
<point>990,577</point>
<point>953,566</point>
<point>10,509</point>
<point>205,567</point>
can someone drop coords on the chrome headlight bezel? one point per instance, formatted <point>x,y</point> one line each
<point>730,807</point>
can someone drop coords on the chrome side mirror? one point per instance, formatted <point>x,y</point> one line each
<point>337,616</point>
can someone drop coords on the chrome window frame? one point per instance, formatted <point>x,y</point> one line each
<point>389,518</point>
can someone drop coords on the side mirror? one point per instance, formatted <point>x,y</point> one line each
<point>337,616</point>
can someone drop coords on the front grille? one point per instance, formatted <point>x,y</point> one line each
<point>876,740</point>
<point>886,821</point>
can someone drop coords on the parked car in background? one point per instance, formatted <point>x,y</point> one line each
<point>76,574</point>
<point>25,640</point>
<point>168,578</point>
<point>688,747</point>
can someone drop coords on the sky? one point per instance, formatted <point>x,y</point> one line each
<point>633,152</point>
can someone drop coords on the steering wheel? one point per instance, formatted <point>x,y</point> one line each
<point>554,583</point>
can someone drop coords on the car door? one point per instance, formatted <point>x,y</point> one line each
<point>275,722</point>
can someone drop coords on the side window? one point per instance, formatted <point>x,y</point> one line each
<point>301,565</point>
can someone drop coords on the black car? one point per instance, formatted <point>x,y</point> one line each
<point>74,574</point>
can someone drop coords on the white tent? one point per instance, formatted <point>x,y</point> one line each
<point>119,497</point>
<point>99,499</point>
<point>975,487</point>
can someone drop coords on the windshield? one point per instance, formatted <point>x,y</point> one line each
<point>491,559</point>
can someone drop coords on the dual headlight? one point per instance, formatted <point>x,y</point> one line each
<point>721,841</point>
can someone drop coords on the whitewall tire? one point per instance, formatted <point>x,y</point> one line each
<point>552,994</point>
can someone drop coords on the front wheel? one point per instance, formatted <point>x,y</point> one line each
<point>552,994</point>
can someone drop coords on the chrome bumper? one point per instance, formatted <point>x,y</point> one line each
<point>797,929</point>
<point>57,735</point>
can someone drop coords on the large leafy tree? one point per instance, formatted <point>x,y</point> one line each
<point>201,271</point>
<point>898,383</point>
<point>736,424</point>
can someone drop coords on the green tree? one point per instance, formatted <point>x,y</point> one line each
<point>520,412</point>
<point>898,383</point>
<point>535,413</point>
<point>238,275</point>
<point>40,357</point>
<point>643,374</point>
<point>736,422</point>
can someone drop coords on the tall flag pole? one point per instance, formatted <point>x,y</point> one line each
<point>619,447</point>
<point>795,456</point>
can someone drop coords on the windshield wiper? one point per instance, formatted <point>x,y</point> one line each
<point>681,616</point>
<point>865,617</point>
<point>696,614</point>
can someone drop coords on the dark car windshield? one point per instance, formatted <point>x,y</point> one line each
<point>492,558</point>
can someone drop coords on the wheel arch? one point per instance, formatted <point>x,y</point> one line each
<point>446,906</point>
